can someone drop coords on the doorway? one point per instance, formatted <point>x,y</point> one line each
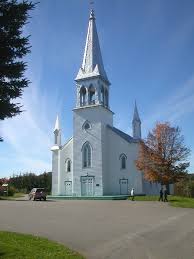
<point>68,188</point>
<point>87,185</point>
<point>123,186</point>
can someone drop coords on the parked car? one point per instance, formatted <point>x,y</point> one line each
<point>37,194</point>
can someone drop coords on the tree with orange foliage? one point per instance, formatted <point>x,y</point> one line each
<point>163,155</point>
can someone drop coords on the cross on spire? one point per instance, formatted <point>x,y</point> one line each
<point>91,4</point>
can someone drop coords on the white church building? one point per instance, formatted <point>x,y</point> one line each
<point>98,159</point>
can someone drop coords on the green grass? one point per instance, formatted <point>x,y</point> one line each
<point>15,196</point>
<point>184,202</point>
<point>19,246</point>
<point>175,201</point>
<point>146,198</point>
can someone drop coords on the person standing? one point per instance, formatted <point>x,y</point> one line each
<point>132,194</point>
<point>165,195</point>
<point>161,195</point>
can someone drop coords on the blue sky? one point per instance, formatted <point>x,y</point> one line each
<point>147,49</point>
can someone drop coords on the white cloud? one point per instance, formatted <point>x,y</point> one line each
<point>173,107</point>
<point>27,137</point>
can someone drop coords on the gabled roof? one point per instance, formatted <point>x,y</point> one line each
<point>123,135</point>
<point>92,64</point>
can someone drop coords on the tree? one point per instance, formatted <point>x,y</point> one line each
<point>13,47</point>
<point>163,155</point>
<point>28,181</point>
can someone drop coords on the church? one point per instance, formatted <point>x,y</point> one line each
<point>99,159</point>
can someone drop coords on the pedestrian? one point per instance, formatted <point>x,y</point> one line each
<point>132,194</point>
<point>165,195</point>
<point>161,195</point>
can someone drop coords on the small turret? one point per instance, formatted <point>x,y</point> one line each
<point>136,123</point>
<point>57,134</point>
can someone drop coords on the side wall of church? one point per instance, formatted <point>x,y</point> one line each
<point>105,155</point>
<point>154,188</point>
<point>117,146</point>
<point>65,154</point>
<point>97,116</point>
<point>151,188</point>
<point>55,173</point>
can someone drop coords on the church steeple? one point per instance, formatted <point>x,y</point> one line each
<point>92,64</point>
<point>57,132</point>
<point>136,123</point>
<point>91,81</point>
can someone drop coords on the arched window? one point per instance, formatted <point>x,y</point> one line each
<point>106,97</point>
<point>91,93</point>
<point>82,96</point>
<point>102,94</point>
<point>123,159</point>
<point>86,155</point>
<point>68,165</point>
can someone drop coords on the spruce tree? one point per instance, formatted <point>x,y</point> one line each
<point>13,47</point>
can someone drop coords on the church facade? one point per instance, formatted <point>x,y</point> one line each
<point>99,159</point>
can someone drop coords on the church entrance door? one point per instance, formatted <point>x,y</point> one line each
<point>87,185</point>
<point>123,186</point>
<point>68,188</point>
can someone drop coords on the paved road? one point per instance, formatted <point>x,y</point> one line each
<point>106,229</point>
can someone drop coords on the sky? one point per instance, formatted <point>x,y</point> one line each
<point>147,49</point>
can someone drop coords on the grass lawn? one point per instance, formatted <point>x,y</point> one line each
<point>175,201</point>
<point>183,202</point>
<point>15,196</point>
<point>19,246</point>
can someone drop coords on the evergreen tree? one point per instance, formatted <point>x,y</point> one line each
<point>13,47</point>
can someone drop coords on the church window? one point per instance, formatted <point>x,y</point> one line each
<point>106,98</point>
<point>123,159</point>
<point>82,96</point>
<point>102,94</point>
<point>55,139</point>
<point>86,155</point>
<point>86,125</point>
<point>68,165</point>
<point>91,93</point>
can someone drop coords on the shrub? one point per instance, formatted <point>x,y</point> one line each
<point>184,188</point>
<point>11,191</point>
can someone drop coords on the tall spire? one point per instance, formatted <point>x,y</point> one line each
<point>136,123</point>
<point>136,114</point>
<point>57,125</point>
<point>57,135</point>
<point>92,64</point>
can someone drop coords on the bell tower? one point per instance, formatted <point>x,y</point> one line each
<point>91,116</point>
<point>91,81</point>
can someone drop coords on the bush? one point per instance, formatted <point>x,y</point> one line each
<point>184,188</point>
<point>11,191</point>
<point>191,189</point>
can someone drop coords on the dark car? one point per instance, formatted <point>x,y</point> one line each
<point>37,194</point>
